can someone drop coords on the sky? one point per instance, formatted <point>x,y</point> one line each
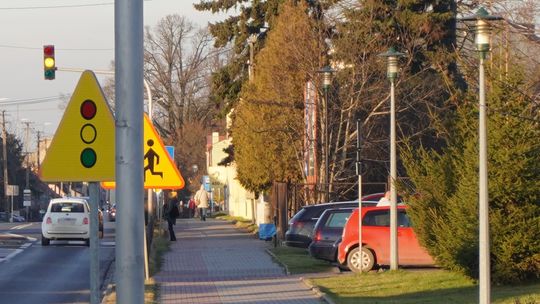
<point>82,32</point>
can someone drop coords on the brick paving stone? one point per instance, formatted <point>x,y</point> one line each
<point>214,262</point>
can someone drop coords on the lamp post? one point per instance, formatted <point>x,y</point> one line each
<point>392,72</point>
<point>327,72</point>
<point>482,29</point>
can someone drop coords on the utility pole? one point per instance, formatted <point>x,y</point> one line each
<point>26,143</point>
<point>38,142</point>
<point>4,153</point>
<point>27,188</point>
<point>129,81</point>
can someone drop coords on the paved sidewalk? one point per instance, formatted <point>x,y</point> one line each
<point>214,262</point>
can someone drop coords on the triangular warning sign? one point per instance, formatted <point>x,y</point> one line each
<point>159,169</point>
<point>83,146</point>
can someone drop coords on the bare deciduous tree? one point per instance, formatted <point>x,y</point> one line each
<point>179,59</point>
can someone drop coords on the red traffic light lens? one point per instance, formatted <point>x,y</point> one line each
<point>48,50</point>
<point>88,109</point>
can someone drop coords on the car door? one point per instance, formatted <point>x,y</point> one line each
<point>376,233</point>
<point>409,250</point>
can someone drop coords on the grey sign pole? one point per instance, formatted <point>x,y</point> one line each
<point>128,40</point>
<point>94,244</point>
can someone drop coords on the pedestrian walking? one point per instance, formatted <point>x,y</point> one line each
<point>191,207</point>
<point>201,200</point>
<point>171,213</point>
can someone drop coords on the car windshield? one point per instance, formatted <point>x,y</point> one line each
<point>67,207</point>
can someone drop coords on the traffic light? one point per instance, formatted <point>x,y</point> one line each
<point>88,133</point>
<point>49,63</point>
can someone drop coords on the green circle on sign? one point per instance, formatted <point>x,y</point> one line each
<point>88,157</point>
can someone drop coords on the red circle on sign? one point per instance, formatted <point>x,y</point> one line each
<point>88,109</point>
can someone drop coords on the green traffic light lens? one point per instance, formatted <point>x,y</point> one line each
<point>49,74</point>
<point>88,158</point>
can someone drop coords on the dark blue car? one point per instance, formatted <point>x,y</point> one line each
<point>327,233</point>
<point>301,225</point>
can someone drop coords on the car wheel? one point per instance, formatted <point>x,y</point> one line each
<point>87,242</point>
<point>354,261</point>
<point>45,241</point>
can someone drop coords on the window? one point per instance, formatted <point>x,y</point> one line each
<point>382,218</point>
<point>337,219</point>
<point>67,207</point>
<point>377,218</point>
<point>402,219</point>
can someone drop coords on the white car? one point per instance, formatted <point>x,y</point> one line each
<point>67,219</point>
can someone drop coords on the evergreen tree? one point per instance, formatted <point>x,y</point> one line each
<point>268,124</point>
<point>445,208</point>
<point>15,169</point>
<point>254,17</point>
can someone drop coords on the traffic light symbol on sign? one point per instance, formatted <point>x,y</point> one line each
<point>88,133</point>
<point>49,63</point>
<point>83,146</point>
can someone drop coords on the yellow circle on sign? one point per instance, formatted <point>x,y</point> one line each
<point>88,133</point>
<point>49,62</point>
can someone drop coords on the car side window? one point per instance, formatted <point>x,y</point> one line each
<point>337,220</point>
<point>377,218</point>
<point>403,219</point>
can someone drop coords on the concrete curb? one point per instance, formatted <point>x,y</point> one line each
<point>317,291</point>
<point>108,281</point>
<point>277,261</point>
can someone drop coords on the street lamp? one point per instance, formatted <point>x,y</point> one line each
<point>482,29</point>
<point>392,57</point>
<point>327,72</point>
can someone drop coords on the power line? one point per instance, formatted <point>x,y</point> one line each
<point>61,49</point>
<point>33,100</point>
<point>55,6</point>
<point>59,6</point>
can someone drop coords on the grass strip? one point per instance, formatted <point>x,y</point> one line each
<point>240,222</point>
<point>418,286</point>
<point>299,261</point>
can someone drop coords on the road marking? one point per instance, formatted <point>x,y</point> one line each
<point>22,226</point>
<point>13,235</point>
<point>11,255</point>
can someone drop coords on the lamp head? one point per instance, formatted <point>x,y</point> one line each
<point>482,29</point>
<point>327,72</point>
<point>392,57</point>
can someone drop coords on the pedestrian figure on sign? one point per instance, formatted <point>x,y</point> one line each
<point>201,200</point>
<point>151,155</point>
<point>171,213</point>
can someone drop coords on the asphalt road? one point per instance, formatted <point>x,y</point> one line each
<point>59,273</point>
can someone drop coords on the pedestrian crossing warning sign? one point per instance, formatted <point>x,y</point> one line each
<point>159,169</point>
<point>82,148</point>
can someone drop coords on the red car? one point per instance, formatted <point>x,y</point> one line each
<point>376,240</point>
